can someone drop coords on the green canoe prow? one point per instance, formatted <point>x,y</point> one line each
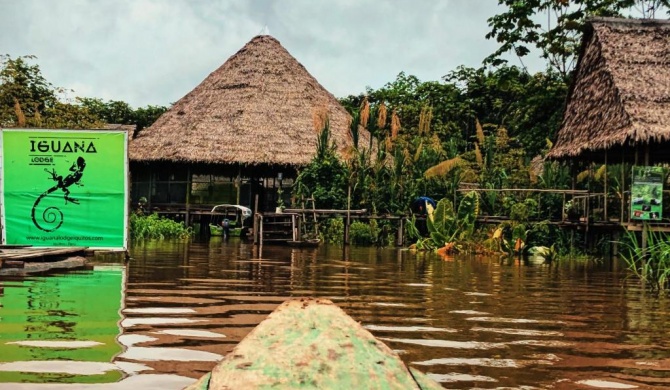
<point>312,344</point>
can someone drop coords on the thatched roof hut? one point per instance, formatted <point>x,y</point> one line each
<point>255,110</point>
<point>620,98</point>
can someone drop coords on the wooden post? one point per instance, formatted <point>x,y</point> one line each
<point>606,192</point>
<point>401,232</point>
<point>238,183</point>
<point>645,227</point>
<point>346,225</point>
<point>587,207</point>
<point>151,190</point>
<point>563,212</point>
<point>260,230</point>
<point>187,216</point>
<point>255,226</point>
<point>623,188</point>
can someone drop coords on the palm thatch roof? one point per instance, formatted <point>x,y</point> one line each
<point>620,97</point>
<point>256,109</point>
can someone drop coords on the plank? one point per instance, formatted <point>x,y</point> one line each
<point>37,253</point>
<point>311,343</point>
<point>39,267</point>
<point>13,264</point>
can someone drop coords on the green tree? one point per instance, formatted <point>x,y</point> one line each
<point>325,178</point>
<point>554,27</point>
<point>115,111</point>
<point>529,106</point>
<point>27,99</point>
<point>24,92</point>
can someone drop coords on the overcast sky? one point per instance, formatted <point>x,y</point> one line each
<point>155,51</point>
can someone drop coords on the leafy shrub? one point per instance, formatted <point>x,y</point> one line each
<point>155,227</point>
<point>362,233</point>
<point>333,231</point>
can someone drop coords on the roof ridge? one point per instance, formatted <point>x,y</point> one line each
<point>636,21</point>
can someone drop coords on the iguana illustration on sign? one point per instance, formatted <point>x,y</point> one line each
<point>54,214</point>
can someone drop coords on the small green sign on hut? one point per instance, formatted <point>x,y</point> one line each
<point>64,188</point>
<point>647,193</point>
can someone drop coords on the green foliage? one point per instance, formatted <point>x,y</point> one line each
<point>325,178</point>
<point>362,233</point>
<point>157,228</point>
<point>523,211</point>
<point>333,230</point>
<point>447,226</point>
<point>22,83</point>
<point>650,264</point>
<point>27,99</point>
<point>114,111</point>
<point>552,26</point>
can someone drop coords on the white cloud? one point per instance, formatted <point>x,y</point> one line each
<point>155,51</point>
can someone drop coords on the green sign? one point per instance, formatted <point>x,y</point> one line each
<point>647,193</point>
<point>64,188</point>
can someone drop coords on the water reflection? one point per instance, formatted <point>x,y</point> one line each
<point>470,323</point>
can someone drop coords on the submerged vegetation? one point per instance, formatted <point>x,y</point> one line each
<point>650,263</point>
<point>155,227</point>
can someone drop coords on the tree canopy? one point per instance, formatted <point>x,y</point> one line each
<point>27,99</point>
<point>554,27</point>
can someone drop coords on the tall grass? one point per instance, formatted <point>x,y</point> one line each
<point>158,228</point>
<point>650,264</point>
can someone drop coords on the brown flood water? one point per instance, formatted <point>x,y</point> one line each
<point>470,322</point>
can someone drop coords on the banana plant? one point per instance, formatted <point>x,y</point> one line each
<point>446,225</point>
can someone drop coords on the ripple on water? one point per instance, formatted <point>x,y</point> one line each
<point>59,366</point>
<point>191,333</point>
<point>129,340</point>
<point>482,362</point>
<point>518,332</point>
<point>129,322</point>
<point>457,377</point>
<point>512,320</point>
<point>542,343</point>
<point>159,310</point>
<point>144,382</point>
<point>149,354</point>
<point>469,312</point>
<point>601,384</point>
<point>73,344</point>
<point>385,328</point>
<point>479,345</point>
